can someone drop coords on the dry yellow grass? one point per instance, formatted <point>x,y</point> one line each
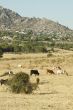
<point>54,92</point>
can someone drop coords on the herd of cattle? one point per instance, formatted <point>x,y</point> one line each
<point>55,71</point>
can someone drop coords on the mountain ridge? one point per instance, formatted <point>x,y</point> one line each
<point>10,20</point>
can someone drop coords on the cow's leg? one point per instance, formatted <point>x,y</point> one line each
<point>1,83</point>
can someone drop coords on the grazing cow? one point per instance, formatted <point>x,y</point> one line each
<point>35,72</point>
<point>10,73</point>
<point>58,70</point>
<point>50,71</point>
<point>3,81</point>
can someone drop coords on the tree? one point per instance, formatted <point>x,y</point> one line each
<point>1,52</point>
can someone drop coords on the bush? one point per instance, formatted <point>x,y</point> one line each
<point>20,83</point>
<point>1,52</point>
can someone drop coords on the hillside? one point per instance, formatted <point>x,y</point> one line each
<point>10,20</point>
<point>26,34</point>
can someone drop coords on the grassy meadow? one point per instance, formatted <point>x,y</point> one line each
<point>54,92</point>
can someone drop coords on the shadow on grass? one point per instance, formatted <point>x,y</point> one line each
<point>41,83</point>
<point>46,93</point>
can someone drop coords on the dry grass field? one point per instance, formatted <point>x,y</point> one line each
<point>54,92</point>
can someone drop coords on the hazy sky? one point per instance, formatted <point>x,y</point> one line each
<point>56,10</point>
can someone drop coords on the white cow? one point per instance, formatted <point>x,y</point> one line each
<point>58,70</point>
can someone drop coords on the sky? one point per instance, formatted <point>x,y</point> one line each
<point>56,10</point>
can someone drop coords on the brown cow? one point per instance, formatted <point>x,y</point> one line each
<point>50,71</point>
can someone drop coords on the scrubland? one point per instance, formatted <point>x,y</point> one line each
<point>54,92</point>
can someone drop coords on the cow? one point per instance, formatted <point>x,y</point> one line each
<point>35,72</point>
<point>50,71</point>
<point>10,73</point>
<point>3,81</point>
<point>59,70</point>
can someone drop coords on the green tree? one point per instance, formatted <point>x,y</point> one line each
<point>1,52</point>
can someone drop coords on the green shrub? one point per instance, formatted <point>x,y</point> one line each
<point>1,52</point>
<point>20,83</point>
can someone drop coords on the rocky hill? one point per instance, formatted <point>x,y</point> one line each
<point>12,21</point>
